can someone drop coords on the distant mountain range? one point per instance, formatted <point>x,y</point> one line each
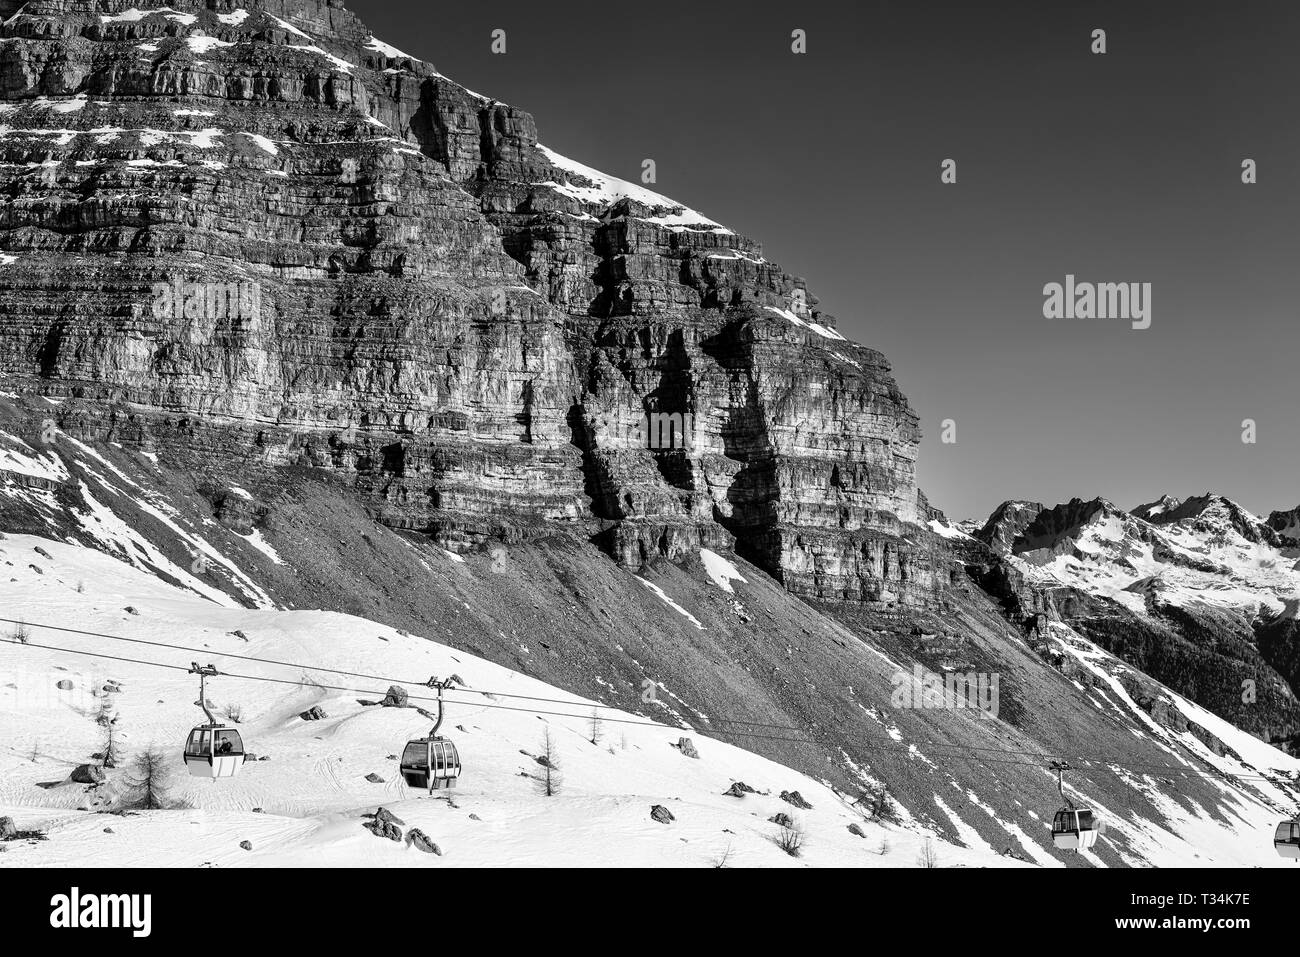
<point>1201,594</point>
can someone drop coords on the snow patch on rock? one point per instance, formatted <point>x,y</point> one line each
<point>720,571</point>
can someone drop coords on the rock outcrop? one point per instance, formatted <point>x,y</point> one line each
<point>417,839</point>
<point>87,774</point>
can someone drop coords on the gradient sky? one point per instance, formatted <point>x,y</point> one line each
<point>1117,168</point>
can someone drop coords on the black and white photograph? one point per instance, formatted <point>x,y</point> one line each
<point>659,436</point>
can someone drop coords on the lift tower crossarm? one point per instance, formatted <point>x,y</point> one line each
<point>438,686</point>
<point>204,672</point>
<point>1060,767</point>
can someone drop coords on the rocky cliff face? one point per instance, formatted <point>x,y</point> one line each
<point>253,230</point>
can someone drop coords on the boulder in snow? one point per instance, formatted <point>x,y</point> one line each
<point>661,814</point>
<point>687,747</point>
<point>387,816</point>
<point>396,697</point>
<point>795,798</point>
<point>88,774</point>
<point>384,823</point>
<point>384,829</point>
<point>421,842</point>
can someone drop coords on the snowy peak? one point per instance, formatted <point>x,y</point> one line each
<point>1151,510</point>
<point>1055,529</point>
<point>1203,551</point>
<point>1037,533</point>
<point>1022,528</point>
<point>1213,513</point>
<point>1006,523</point>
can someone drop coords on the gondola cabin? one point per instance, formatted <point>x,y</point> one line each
<point>430,763</point>
<point>1074,829</point>
<point>214,751</point>
<point>1286,840</point>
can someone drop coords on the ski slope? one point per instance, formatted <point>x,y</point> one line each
<point>303,805</point>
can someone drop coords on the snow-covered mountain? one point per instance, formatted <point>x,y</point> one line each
<point>1200,592</point>
<point>1207,550</point>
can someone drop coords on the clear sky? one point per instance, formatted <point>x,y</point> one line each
<point>1123,167</point>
